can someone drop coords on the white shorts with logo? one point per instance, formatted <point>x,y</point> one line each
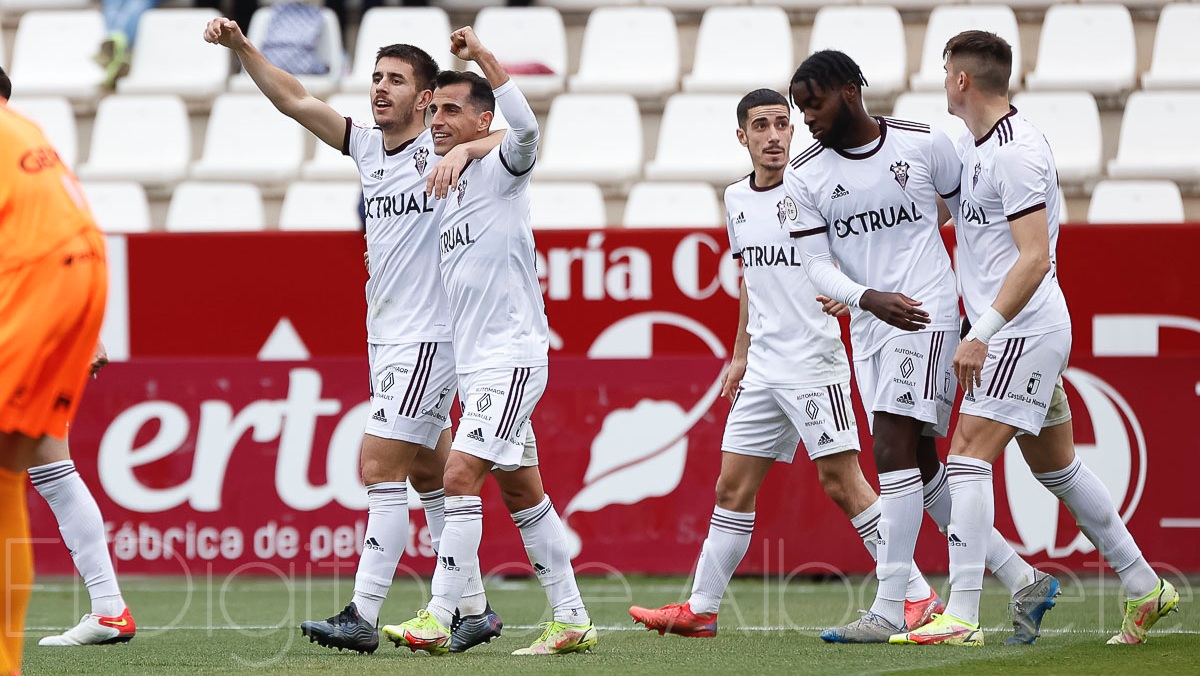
<point>768,422</point>
<point>496,406</point>
<point>412,388</point>
<point>1020,377</point>
<point>912,376</point>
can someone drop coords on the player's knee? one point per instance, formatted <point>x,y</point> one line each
<point>425,477</point>
<point>734,496</point>
<point>376,470</point>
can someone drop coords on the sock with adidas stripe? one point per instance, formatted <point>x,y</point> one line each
<point>386,538</point>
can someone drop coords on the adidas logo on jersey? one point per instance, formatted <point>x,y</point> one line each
<point>377,174</point>
<point>476,434</point>
<point>839,191</point>
<point>379,416</point>
<point>741,218</point>
<point>825,439</point>
<point>906,399</point>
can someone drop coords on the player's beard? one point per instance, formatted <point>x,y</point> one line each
<point>835,136</point>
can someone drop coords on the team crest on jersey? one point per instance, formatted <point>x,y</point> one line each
<point>462,190</point>
<point>900,171</point>
<point>975,176</point>
<point>786,210</point>
<point>421,159</point>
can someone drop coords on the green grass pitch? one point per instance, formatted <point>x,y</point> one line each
<point>247,624</point>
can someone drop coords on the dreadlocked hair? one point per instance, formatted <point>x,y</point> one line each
<point>829,69</point>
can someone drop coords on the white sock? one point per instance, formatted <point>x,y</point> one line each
<point>386,538</point>
<point>969,533</point>
<point>866,523</point>
<point>434,503</point>
<point>1092,506</point>
<point>545,540</point>
<point>899,523</point>
<point>728,539</point>
<point>458,558</point>
<point>82,530</point>
<point>1012,571</point>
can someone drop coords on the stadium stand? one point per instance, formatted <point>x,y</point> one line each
<point>1135,202</point>
<point>741,48</point>
<point>1176,60</point>
<point>530,42</point>
<point>1088,47</point>
<point>119,206</point>
<point>52,55</point>
<point>595,137</point>
<point>946,21</point>
<point>632,50</point>
<point>170,60</point>
<point>1145,151</point>
<point>873,37</point>
<point>425,27</point>
<point>929,108</point>
<point>566,205</point>
<point>248,140</point>
<point>1071,123</point>
<point>57,120</point>
<point>668,205</point>
<point>697,141</point>
<point>215,207</point>
<point>329,50</point>
<point>139,138</point>
<point>323,205</point>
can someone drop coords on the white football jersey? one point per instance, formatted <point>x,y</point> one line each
<point>487,252</point>
<point>877,205</point>
<point>1007,174</point>
<point>405,299</point>
<point>792,342</point>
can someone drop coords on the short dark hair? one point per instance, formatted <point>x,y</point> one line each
<point>829,69</point>
<point>5,85</point>
<point>756,98</point>
<point>986,56</point>
<point>481,95</point>
<point>425,69</point>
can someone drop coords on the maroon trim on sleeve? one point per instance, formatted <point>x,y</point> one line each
<point>1026,211</point>
<point>814,231</point>
<point>346,138</point>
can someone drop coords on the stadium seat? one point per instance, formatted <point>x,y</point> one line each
<point>139,138</point>
<point>329,48</point>
<point>324,205</point>
<point>673,205</point>
<point>1159,137</point>
<point>26,5</point>
<point>1176,60</point>
<point>585,5</point>
<point>810,5</point>
<point>215,207</point>
<point>328,163</point>
<point>425,27</point>
<point>741,48</point>
<point>1071,123</point>
<point>1136,202</point>
<point>873,37</point>
<point>248,140</point>
<point>698,140</point>
<point>629,49</point>
<point>118,206</point>
<point>57,120</point>
<point>1086,47</point>
<point>1018,5</point>
<point>945,22</point>
<point>566,206</point>
<point>929,108</point>
<point>529,41</point>
<point>169,59</point>
<point>592,137</point>
<point>52,55</point>
<point>690,5</point>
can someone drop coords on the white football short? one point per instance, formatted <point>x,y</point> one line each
<point>1019,381</point>
<point>496,406</point>
<point>412,388</point>
<point>911,375</point>
<point>769,422</point>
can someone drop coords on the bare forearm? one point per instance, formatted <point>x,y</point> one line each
<point>492,70</point>
<point>1020,284</point>
<point>280,86</point>
<point>741,344</point>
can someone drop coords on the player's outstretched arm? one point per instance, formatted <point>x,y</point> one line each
<point>280,86</point>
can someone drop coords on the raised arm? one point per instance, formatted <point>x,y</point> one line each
<point>283,89</point>
<point>519,149</point>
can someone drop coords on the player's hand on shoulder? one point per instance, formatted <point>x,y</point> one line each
<point>731,379</point>
<point>896,309</point>
<point>444,177</point>
<point>465,44</point>
<point>831,307</point>
<point>224,32</point>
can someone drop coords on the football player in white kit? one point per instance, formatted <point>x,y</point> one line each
<point>501,342</point>
<point>867,193</point>
<point>789,381</point>
<point>408,319</point>
<point>1018,345</point>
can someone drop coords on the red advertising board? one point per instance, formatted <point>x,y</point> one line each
<point>204,457</point>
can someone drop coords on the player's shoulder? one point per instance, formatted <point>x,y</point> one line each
<point>908,127</point>
<point>740,186</point>
<point>807,158</point>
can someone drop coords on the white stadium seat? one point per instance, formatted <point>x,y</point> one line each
<point>1086,47</point>
<point>139,138</point>
<point>329,48</point>
<point>629,49</point>
<point>1159,137</point>
<point>215,207</point>
<point>1176,60</point>
<point>585,5</point>
<point>1071,123</point>
<point>169,59</point>
<point>909,5</point>
<point>57,120</point>
<point>249,140</point>
<point>946,21</point>
<point>526,39</point>
<point>673,205</point>
<point>697,140</point>
<point>118,206</point>
<point>873,37</point>
<point>690,5</point>
<point>52,54</point>
<point>592,137</point>
<point>1019,4</point>
<point>1135,202</point>
<point>424,27</point>
<point>741,48</point>
<point>26,5</point>
<point>324,205</point>
<point>929,108</point>
<point>810,5</point>
<point>328,163</point>
<point>566,206</point>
